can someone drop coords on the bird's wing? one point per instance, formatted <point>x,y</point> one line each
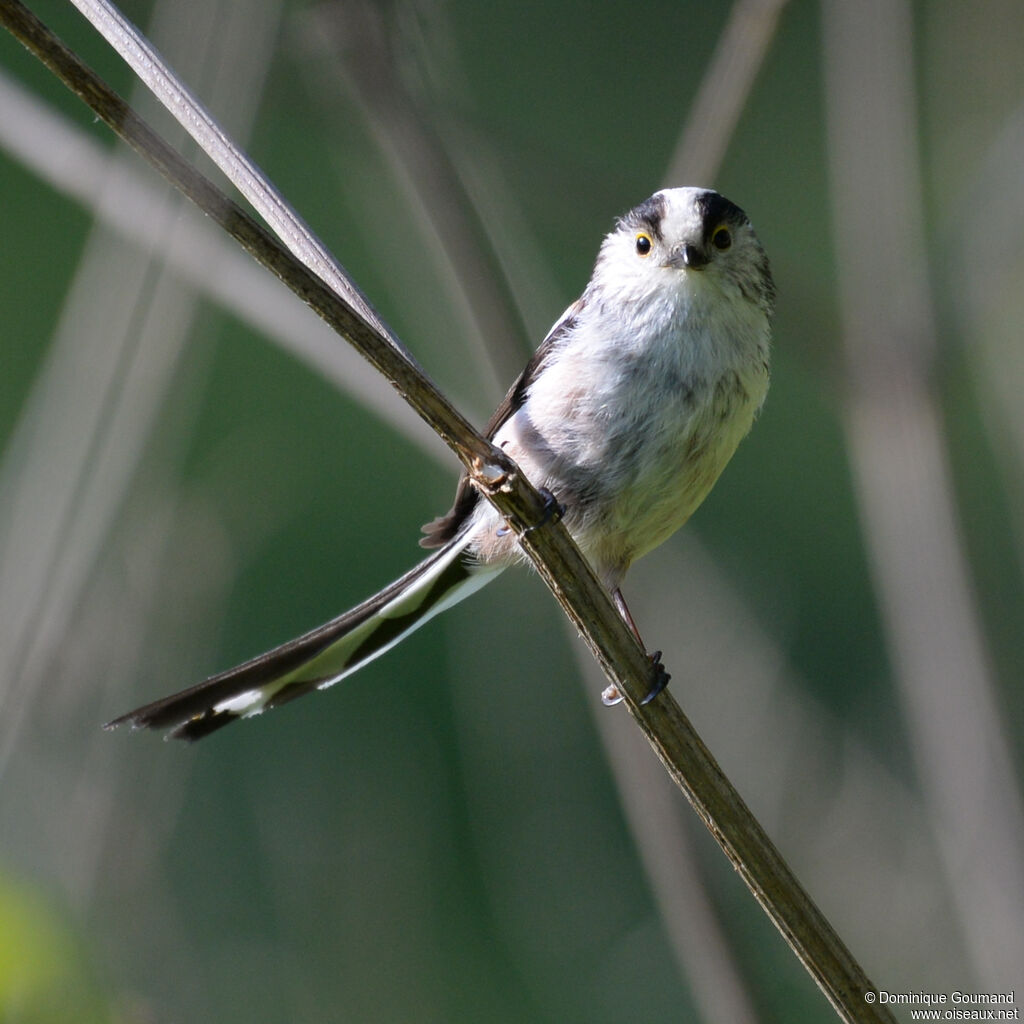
<point>440,531</point>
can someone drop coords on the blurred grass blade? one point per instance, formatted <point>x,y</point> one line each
<point>193,116</point>
<point>123,328</point>
<point>723,92</point>
<point>65,156</point>
<point>356,41</point>
<point>895,436</point>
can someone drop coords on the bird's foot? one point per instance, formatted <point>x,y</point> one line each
<point>553,511</point>
<point>661,678</point>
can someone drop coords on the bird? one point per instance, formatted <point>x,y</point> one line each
<point>624,417</point>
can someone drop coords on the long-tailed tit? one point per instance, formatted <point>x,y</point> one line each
<point>626,413</point>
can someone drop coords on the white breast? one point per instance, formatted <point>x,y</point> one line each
<point>637,413</point>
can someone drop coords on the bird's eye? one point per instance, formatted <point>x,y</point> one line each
<point>721,239</point>
<point>643,243</point>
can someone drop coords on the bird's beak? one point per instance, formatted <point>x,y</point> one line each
<point>689,257</point>
<point>693,257</point>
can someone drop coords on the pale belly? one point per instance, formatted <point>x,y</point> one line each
<point>649,512</point>
<point>670,479</point>
<point>632,492</point>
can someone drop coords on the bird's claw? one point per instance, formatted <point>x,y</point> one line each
<point>661,678</point>
<point>612,695</point>
<point>553,511</point>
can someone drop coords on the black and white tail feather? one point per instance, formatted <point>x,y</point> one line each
<point>323,656</point>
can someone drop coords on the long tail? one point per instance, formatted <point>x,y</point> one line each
<point>319,658</point>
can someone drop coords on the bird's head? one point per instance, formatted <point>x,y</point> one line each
<point>688,242</point>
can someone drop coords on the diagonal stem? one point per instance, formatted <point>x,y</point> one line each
<point>551,549</point>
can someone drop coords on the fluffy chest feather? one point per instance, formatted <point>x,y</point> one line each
<point>633,419</point>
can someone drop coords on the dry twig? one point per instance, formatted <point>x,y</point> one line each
<point>551,549</point>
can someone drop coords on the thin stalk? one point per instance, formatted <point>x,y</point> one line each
<point>551,549</point>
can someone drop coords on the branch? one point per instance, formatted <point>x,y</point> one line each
<point>551,549</point>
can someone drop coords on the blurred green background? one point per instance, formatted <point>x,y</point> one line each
<point>193,470</point>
